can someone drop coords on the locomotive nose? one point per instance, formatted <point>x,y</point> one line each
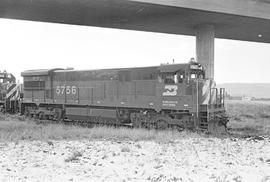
<point>206,93</point>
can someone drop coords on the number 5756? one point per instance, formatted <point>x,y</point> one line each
<point>66,89</point>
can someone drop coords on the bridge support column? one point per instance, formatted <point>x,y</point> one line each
<point>205,48</point>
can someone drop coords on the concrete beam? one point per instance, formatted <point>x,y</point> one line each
<point>249,8</point>
<point>205,48</point>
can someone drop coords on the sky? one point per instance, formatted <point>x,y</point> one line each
<point>29,45</point>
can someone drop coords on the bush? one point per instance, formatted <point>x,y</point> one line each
<point>74,157</point>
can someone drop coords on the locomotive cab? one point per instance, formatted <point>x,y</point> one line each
<point>187,89</point>
<point>9,92</point>
<point>180,73</point>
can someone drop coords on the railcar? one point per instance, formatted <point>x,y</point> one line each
<point>165,96</point>
<point>9,93</point>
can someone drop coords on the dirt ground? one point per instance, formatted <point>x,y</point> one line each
<point>188,159</point>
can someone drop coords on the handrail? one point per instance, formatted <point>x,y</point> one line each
<point>220,97</point>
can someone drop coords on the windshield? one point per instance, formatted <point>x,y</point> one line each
<point>196,75</point>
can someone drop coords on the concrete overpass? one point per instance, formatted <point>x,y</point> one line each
<point>247,20</point>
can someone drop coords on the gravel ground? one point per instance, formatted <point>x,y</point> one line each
<point>187,159</point>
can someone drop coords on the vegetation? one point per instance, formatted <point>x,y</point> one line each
<point>12,129</point>
<point>249,118</point>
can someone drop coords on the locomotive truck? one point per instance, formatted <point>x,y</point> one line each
<point>166,96</point>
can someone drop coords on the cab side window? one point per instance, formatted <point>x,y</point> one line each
<point>170,78</point>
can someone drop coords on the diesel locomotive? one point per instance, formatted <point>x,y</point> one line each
<point>166,96</point>
<point>9,92</point>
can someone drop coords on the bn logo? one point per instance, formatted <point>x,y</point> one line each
<point>170,90</point>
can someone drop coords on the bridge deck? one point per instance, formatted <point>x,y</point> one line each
<point>244,20</point>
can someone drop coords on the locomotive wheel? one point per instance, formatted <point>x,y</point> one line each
<point>137,123</point>
<point>41,115</point>
<point>27,113</point>
<point>177,128</point>
<point>161,124</point>
<point>136,120</point>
